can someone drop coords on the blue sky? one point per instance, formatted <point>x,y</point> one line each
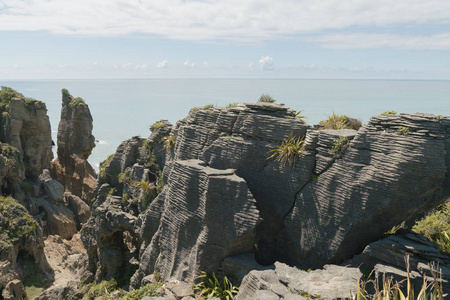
<point>62,39</point>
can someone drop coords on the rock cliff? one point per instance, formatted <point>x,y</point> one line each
<point>345,190</point>
<point>75,144</point>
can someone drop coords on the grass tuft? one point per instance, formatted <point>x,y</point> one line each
<point>210,286</point>
<point>266,98</point>
<point>289,150</point>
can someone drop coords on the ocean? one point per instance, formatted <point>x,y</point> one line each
<point>122,108</point>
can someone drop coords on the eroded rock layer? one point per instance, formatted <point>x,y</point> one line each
<point>75,144</point>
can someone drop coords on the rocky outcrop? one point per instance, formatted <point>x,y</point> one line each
<point>285,282</point>
<point>75,144</point>
<point>12,170</point>
<point>345,190</point>
<point>384,178</point>
<point>221,214</point>
<point>25,126</point>
<point>405,250</point>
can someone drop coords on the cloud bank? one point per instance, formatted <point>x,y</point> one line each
<point>252,20</point>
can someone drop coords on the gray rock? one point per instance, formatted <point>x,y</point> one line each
<point>332,282</point>
<point>79,208</point>
<point>14,290</point>
<point>215,207</point>
<point>382,180</point>
<point>54,189</point>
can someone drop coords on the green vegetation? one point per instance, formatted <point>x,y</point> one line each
<point>388,289</point>
<point>436,227</point>
<point>388,112</point>
<point>340,145</point>
<point>78,101</point>
<point>156,125</point>
<point>208,106</point>
<point>11,156</point>
<point>112,192</point>
<point>210,286</point>
<point>148,290</point>
<point>26,186</point>
<point>125,177</point>
<point>266,98</point>
<point>289,150</point>
<point>159,182</point>
<point>15,223</point>
<point>169,143</point>
<point>148,192</point>
<point>314,176</point>
<point>33,282</point>
<point>107,289</point>
<point>402,130</point>
<point>340,122</point>
<point>230,105</point>
<point>103,165</point>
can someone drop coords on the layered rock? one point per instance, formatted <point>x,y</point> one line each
<point>25,126</point>
<point>385,177</point>
<point>75,144</point>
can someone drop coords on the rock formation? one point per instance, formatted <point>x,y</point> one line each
<point>25,126</point>
<point>345,190</point>
<point>75,144</point>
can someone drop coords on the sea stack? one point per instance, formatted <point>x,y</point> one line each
<point>75,144</point>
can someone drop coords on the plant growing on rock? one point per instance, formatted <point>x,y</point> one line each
<point>388,112</point>
<point>266,98</point>
<point>169,143</point>
<point>103,165</point>
<point>230,105</point>
<point>156,125</point>
<point>210,286</point>
<point>337,122</point>
<point>436,227</point>
<point>340,145</point>
<point>289,150</point>
<point>402,130</point>
<point>208,106</point>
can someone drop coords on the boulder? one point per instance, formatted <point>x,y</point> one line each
<point>79,208</point>
<point>54,189</point>
<point>14,290</point>
<point>285,282</point>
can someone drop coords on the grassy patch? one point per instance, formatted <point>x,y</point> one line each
<point>148,290</point>
<point>340,145</point>
<point>266,98</point>
<point>402,130</point>
<point>436,227</point>
<point>210,286</point>
<point>388,112</point>
<point>156,126</point>
<point>337,122</point>
<point>169,143</point>
<point>231,105</point>
<point>103,165</point>
<point>208,106</point>
<point>16,223</point>
<point>78,101</point>
<point>289,150</point>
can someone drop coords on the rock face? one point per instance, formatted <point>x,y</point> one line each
<point>384,178</point>
<point>285,282</point>
<point>346,189</point>
<point>25,126</point>
<point>75,144</point>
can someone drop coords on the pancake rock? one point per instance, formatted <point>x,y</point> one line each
<point>75,144</point>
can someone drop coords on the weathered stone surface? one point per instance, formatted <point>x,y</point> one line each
<point>75,144</point>
<point>284,282</point>
<point>56,217</point>
<point>14,290</point>
<point>12,171</point>
<point>208,214</point>
<point>383,179</point>
<point>26,127</point>
<point>54,189</point>
<point>80,209</point>
<point>388,256</point>
<point>105,237</point>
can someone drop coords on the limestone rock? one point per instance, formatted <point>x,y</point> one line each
<point>80,209</point>
<point>284,282</point>
<point>26,127</point>
<point>388,256</point>
<point>208,214</point>
<point>75,144</point>
<point>12,171</point>
<point>54,189</point>
<point>384,178</point>
<point>14,290</point>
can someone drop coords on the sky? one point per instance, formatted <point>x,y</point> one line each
<point>359,39</point>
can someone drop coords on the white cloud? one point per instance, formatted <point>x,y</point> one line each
<point>250,66</point>
<point>162,64</point>
<point>141,67</point>
<point>188,64</point>
<point>387,41</point>
<point>126,65</point>
<point>266,63</point>
<point>211,20</point>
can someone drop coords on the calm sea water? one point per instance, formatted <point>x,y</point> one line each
<point>125,108</point>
